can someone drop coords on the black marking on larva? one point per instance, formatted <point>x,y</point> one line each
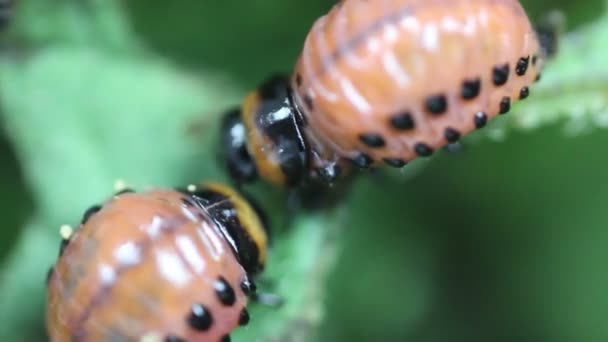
<point>298,80</point>
<point>49,275</point>
<point>244,317</point>
<point>362,161</point>
<point>308,102</point>
<point>403,121</point>
<point>124,191</point>
<point>522,66</point>
<point>173,338</point>
<point>524,92</point>
<point>470,89</point>
<point>223,212</point>
<point>394,162</point>
<point>534,59</point>
<point>537,78</point>
<point>423,150</point>
<point>89,212</point>
<point>500,74</point>
<point>480,119</point>
<point>199,318</point>
<point>372,140</point>
<point>224,292</point>
<point>436,104</point>
<point>451,135</point>
<point>225,338</point>
<point>62,245</point>
<point>505,105</point>
<point>248,287</point>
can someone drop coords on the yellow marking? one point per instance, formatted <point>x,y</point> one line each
<point>249,219</point>
<point>120,185</point>
<point>191,188</point>
<point>66,231</point>
<point>260,148</point>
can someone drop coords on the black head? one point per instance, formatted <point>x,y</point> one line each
<point>263,139</point>
<point>239,163</point>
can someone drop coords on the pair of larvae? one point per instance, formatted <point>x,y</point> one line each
<point>332,112</point>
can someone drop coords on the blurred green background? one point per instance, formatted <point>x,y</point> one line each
<point>504,241</point>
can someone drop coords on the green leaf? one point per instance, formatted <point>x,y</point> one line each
<point>74,22</point>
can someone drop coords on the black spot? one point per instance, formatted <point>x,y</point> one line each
<point>500,74</point>
<point>534,59</point>
<point>372,140</point>
<point>480,119</point>
<point>436,104</point>
<point>395,162</point>
<point>224,292</point>
<point>522,66</point>
<point>505,105</point>
<point>363,161</point>
<point>298,80</point>
<point>173,338</point>
<point>89,212</point>
<point>470,89</point>
<point>451,135</point>
<point>403,121</point>
<point>248,287</point>
<point>244,317</point>
<point>49,274</point>
<point>537,78</point>
<point>225,338</point>
<point>524,92</point>
<point>200,318</point>
<point>423,150</point>
<point>308,102</point>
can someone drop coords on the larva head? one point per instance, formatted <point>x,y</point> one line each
<point>263,137</point>
<point>244,222</point>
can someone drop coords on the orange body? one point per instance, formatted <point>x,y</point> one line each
<point>392,80</point>
<point>134,270</point>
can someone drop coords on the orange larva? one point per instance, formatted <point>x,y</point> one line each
<point>384,82</point>
<point>162,265</point>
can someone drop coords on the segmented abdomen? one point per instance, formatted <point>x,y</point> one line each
<point>393,80</point>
